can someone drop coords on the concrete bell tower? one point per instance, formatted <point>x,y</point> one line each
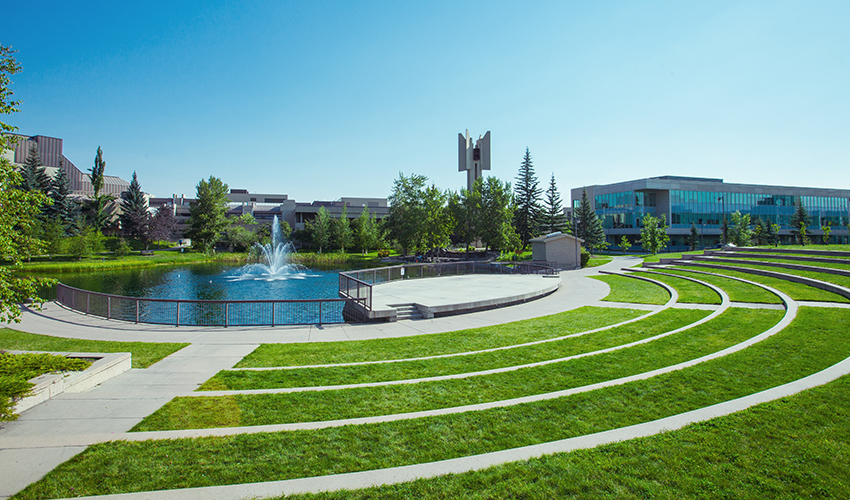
<point>474,159</point>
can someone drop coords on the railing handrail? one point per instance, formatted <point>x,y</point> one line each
<point>235,301</point>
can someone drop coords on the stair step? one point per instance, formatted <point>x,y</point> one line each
<point>407,311</point>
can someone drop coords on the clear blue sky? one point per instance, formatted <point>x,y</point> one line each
<point>321,100</point>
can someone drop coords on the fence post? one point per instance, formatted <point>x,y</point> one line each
<point>226,308</point>
<point>88,300</point>
<point>108,306</point>
<point>137,310</point>
<point>177,323</point>
<point>273,311</point>
<point>320,311</point>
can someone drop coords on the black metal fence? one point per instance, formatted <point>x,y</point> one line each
<point>206,312</point>
<point>356,285</point>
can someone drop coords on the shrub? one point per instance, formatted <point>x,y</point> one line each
<point>585,257</point>
<point>383,254</point>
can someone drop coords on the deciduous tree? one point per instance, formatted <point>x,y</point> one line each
<point>407,211</point>
<point>208,214</point>
<point>653,233</point>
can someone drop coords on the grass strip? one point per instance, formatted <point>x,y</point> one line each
<point>633,290</point>
<point>796,447</point>
<point>732,327</point>
<point>689,291</point>
<point>737,291</point>
<point>597,260</point>
<point>144,353</point>
<point>756,258</point>
<point>814,341</point>
<point>829,278</point>
<point>796,291</point>
<point>674,255</point>
<point>664,321</point>
<point>473,339</point>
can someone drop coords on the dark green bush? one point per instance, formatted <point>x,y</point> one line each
<point>585,257</point>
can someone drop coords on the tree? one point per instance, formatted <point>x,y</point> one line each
<point>799,222</point>
<point>365,237</point>
<point>553,213</point>
<point>741,233</point>
<point>438,222</point>
<point>319,229</point>
<point>33,174</point>
<point>208,214</point>
<point>588,226</point>
<point>238,236</point>
<point>407,211</point>
<point>97,205</point>
<point>625,244</point>
<point>527,195</point>
<point>827,231</point>
<point>495,216</point>
<point>465,208</point>
<point>772,234</point>
<point>19,213</point>
<point>653,233</point>
<point>341,230</point>
<point>759,231</point>
<point>64,208</point>
<point>133,207</point>
<point>693,237</point>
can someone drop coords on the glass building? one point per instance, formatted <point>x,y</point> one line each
<point>705,203</point>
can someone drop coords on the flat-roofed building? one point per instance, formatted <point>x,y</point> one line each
<point>704,202</point>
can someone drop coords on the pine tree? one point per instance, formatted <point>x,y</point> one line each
<point>64,209</point>
<point>588,226</point>
<point>799,223</point>
<point>553,213</point>
<point>527,195</point>
<point>97,205</point>
<point>33,175</point>
<point>133,207</point>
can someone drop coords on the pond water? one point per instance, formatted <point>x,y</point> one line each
<point>206,282</point>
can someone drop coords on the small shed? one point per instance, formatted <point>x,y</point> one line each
<point>563,249</point>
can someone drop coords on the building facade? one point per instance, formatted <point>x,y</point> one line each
<point>705,202</point>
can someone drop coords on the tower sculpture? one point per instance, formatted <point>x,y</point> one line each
<point>473,158</point>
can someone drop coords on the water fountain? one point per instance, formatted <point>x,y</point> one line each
<point>274,263</point>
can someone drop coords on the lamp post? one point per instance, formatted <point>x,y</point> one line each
<point>723,227</point>
<point>701,235</point>
<point>575,239</point>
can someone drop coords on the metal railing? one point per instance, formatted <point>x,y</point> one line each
<point>356,285</point>
<point>181,312</point>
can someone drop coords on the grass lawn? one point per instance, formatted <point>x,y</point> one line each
<point>62,264</point>
<point>737,291</point>
<point>633,290</point>
<point>518,332</point>
<point>816,340</point>
<point>144,353</point>
<point>675,255</point>
<point>756,257</point>
<point>598,260</point>
<point>796,447</point>
<point>664,321</point>
<point>830,278</point>
<point>796,291</point>
<point>732,327</point>
<point>689,291</point>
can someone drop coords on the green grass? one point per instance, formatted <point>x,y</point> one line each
<point>756,257</point>
<point>737,291</point>
<point>633,290</point>
<point>675,255</point>
<point>796,291</point>
<point>732,327</point>
<point>598,260</point>
<point>797,447</point>
<point>667,320</point>
<point>830,278</point>
<point>816,340</point>
<point>17,369</point>
<point>144,353</point>
<point>689,291</point>
<point>108,262</point>
<point>518,332</point>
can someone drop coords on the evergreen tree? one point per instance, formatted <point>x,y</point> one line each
<point>772,234</point>
<point>588,226</point>
<point>65,208</point>
<point>553,213</point>
<point>799,223</point>
<point>208,214</point>
<point>33,175</point>
<point>133,207</point>
<point>693,238</point>
<point>527,195</point>
<point>97,205</point>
